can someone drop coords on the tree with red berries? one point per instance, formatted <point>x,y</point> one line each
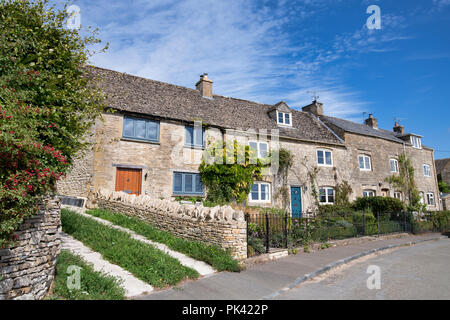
<point>47,105</point>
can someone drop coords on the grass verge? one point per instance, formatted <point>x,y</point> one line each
<point>142,260</point>
<point>218,258</point>
<point>94,285</point>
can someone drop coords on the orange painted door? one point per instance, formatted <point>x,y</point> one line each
<point>129,180</point>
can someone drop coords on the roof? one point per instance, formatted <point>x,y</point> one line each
<point>441,164</point>
<point>134,94</point>
<point>353,127</point>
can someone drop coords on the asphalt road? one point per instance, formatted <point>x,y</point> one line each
<point>417,272</point>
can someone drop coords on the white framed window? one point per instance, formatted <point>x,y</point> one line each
<point>416,142</point>
<point>326,195</point>
<point>260,192</point>
<point>430,199</point>
<point>394,165</point>
<point>324,157</point>
<point>284,118</point>
<point>365,163</point>
<point>261,148</point>
<point>426,170</point>
<point>398,195</point>
<point>368,193</point>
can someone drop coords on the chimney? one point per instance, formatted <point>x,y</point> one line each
<point>372,122</point>
<point>204,85</point>
<point>399,129</point>
<point>316,108</point>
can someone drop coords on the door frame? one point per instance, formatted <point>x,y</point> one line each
<point>301,197</point>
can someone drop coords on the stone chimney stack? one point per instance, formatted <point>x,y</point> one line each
<point>399,129</point>
<point>316,108</point>
<point>204,85</point>
<point>372,122</point>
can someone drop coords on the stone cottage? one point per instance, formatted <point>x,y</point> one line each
<point>153,140</point>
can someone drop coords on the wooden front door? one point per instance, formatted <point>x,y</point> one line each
<point>296,202</point>
<point>129,180</point>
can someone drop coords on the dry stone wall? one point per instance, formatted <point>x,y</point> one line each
<point>219,225</point>
<point>27,269</point>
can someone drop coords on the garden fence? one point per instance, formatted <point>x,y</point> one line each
<point>272,230</point>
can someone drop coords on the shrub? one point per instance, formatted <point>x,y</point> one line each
<point>256,245</point>
<point>46,105</point>
<point>379,205</point>
<point>365,222</point>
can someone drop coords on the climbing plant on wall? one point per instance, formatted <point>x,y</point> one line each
<point>229,171</point>
<point>404,181</point>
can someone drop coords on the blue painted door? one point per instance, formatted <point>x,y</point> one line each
<point>296,202</point>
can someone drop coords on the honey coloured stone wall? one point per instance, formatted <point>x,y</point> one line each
<point>27,269</point>
<point>223,226</point>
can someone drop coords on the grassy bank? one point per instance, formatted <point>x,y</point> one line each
<point>142,260</point>
<point>94,285</point>
<point>213,255</point>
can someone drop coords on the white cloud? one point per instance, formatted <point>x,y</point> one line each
<point>243,45</point>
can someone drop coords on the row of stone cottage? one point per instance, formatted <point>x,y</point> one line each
<point>150,145</point>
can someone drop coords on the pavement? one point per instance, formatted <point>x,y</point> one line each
<point>273,279</point>
<point>419,272</point>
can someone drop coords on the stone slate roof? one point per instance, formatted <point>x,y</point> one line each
<point>441,164</point>
<point>134,94</point>
<point>363,129</point>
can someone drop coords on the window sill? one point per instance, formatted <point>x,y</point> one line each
<point>139,140</point>
<point>195,147</point>
<point>188,194</point>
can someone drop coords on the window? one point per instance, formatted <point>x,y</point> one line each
<point>284,118</point>
<point>141,129</point>
<point>398,195</point>
<point>416,142</point>
<point>368,193</point>
<point>364,163</point>
<point>187,184</point>
<point>394,165</point>
<point>324,158</point>
<point>426,170</point>
<point>326,195</point>
<point>430,199</point>
<point>261,148</point>
<point>194,137</point>
<point>260,192</point>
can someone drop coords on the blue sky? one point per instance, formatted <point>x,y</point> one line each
<point>268,51</point>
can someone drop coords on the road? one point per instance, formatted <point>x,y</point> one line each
<point>417,272</point>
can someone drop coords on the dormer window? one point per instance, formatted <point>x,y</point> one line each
<point>416,142</point>
<point>284,118</point>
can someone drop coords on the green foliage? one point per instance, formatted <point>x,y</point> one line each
<point>228,172</point>
<point>218,258</point>
<point>379,205</point>
<point>333,210</point>
<point>285,162</point>
<point>255,246</point>
<point>46,105</point>
<point>443,187</point>
<point>343,191</point>
<point>95,285</point>
<point>142,260</point>
<point>406,183</point>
